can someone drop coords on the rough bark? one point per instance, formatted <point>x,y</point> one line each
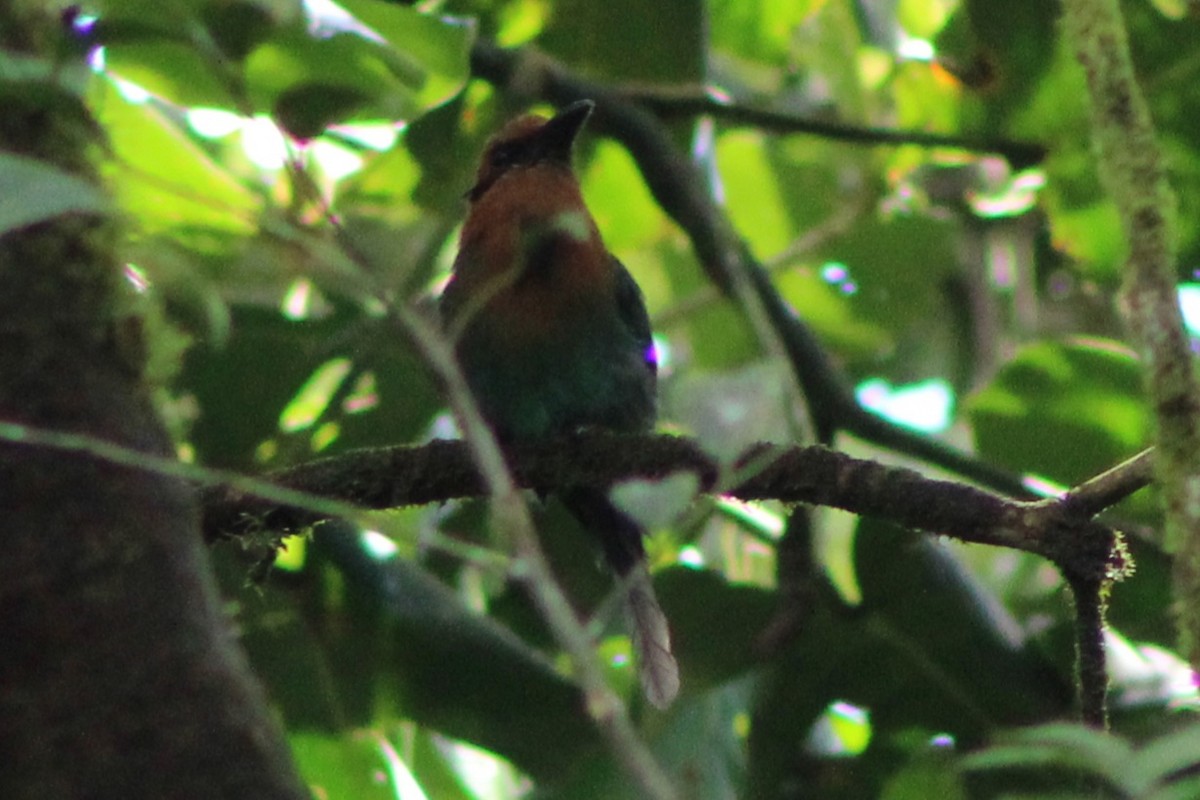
<point>119,677</point>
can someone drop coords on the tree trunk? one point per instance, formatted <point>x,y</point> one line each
<point>119,677</point>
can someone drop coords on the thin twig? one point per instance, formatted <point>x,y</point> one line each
<point>816,237</point>
<point>674,104</point>
<point>1113,485</point>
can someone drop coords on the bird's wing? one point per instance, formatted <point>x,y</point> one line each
<point>632,308</point>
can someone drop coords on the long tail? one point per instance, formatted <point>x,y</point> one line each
<point>621,538</point>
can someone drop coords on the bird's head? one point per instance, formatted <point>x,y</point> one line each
<point>528,141</point>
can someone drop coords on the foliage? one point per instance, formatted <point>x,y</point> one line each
<point>939,268</point>
<point>1161,768</point>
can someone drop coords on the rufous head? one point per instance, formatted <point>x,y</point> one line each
<point>528,141</point>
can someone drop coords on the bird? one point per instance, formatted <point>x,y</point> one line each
<point>552,335</point>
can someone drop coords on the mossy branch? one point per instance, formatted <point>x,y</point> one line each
<point>1132,166</point>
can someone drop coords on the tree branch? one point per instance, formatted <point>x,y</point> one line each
<point>1089,554</point>
<point>1090,601</point>
<point>1114,485</point>
<point>1133,169</point>
<point>1059,530</point>
<point>698,103</point>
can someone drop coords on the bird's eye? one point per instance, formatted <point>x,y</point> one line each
<point>505,155</point>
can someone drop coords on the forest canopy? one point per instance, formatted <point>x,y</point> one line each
<point>922,278</point>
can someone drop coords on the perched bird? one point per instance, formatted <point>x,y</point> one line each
<point>553,336</point>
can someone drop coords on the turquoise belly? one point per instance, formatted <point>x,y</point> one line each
<point>592,377</point>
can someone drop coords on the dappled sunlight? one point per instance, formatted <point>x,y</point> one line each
<point>926,406</point>
<point>843,730</point>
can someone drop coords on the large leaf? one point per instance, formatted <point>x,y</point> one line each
<point>1004,54</point>
<point>34,191</point>
<point>349,765</point>
<point>310,82</point>
<point>457,671</point>
<point>1163,769</point>
<point>189,52</point>
<point>265,57</point>
<point>164,182</point>
<point>927,651</point>
<point>434,49</point>
<point>381,639</point>
<point>336,78</point>
<point>1063,410</point>
<point>244,386</point>
<point>942,625</point>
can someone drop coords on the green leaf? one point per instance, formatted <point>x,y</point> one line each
<point>164,182</point>
<point>311,401</point>
<point>938,624</point>
<point>1073,746</point>
<point>169,68</point>
<point>312,81</point>
<point>717,336</point>
<point>447,153</point>
<point>457,671</point>
<point>928,775</point>
<point>699,602</point>
<point>834,313</point>
<point>380,82</point>
<point>1083,219</point>
<point>237,26</point>
<point>387,180</point>
<point>34,191</point>
<point>305,111</point>
<point>753,193</point>
<point>1184,789</point>
<point>154,16</point>
<point>189,52</point>
<point>700,743</point>
<point>922,18</point>
<point>436,767</point>
<point>1005,52</point>
<point>899,265</point>
<point>616,194</point>
<point>362,766</point>
<point>1166,756</point>
<point>245,385</point>
<point>435,49</point>
<point>1063,410</point>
